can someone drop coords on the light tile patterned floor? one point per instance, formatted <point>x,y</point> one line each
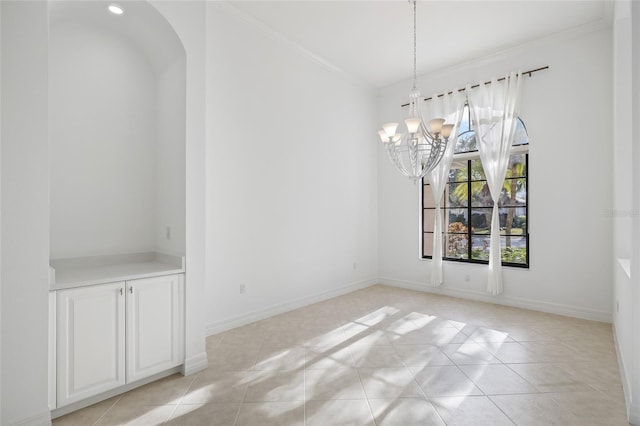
<point>387,356</point>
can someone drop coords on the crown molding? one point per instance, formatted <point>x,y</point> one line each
<point>280,38</point>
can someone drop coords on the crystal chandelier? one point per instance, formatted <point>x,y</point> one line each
<point>419,150</point>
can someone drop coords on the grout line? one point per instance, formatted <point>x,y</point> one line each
<point>501,410</point>
<point>369,306</point>
<point>366,397</point>
<point>195,376</point>
<point>108,409</point>
<point>250,369</point>
<point>426,397</point>
<point>304,387</point>
<point>171,415</point>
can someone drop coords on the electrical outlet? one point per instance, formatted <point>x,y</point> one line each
<point>168,232</point>
<point>355,265</point>
<point>243,289</point>
<point>467,278</point>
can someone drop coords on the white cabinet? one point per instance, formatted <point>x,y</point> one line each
<point>90,329</point>
<point>94,356</point>
<point>154,325</point>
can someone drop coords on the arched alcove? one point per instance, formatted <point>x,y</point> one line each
<point>117,88</point>
<point>117,173</point>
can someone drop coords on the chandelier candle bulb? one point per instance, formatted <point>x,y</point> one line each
<point>446,130</point>
<point>435,125</point>
<point>390,129</point>
<point>412,124</point>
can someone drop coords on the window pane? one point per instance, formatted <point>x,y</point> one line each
<point>481,220</point>
<point>513,221</point>
<point>477,172</point>
<point>466,136</point>
<point>480,247</point>
<point>480,194</point>
<point>427,197</point>
<point>466,141</point>
<point>427,244</point>
<point>520,137</point>
<point>429,218</point>
<point>458,171</point>
<point>457,246</point>
<point>514,193</point>
<point>517,166</point>
<point>457,220</point>
<point>457,194</point>
<point>513,250</point>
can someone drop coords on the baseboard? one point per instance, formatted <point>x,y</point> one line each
<point>40,419</point>
<point>194,364</point>
<point>280,308</point>
<point>111,393</point>
<point>517,302</point>
<point>626,383</point>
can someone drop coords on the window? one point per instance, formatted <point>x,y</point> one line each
<point>467,204</point>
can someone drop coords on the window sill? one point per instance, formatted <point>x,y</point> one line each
<point>480,263</point>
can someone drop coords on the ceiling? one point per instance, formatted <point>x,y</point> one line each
<point>141,24</point>
<point>372,40</point>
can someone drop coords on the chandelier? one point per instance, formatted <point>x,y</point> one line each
<point>419,150</point>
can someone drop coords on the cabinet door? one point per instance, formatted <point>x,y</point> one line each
<point>155,330</point>
<point>90,339</point>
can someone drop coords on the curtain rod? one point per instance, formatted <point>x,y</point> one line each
<point>486,82</point>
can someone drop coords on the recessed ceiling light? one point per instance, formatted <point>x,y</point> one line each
<point>116,9</point>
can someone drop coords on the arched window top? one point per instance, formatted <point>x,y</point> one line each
<point>467,136</point>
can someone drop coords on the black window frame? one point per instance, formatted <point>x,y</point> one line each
<point>469,208</point>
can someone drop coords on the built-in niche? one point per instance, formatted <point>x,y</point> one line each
<point>117,137</point>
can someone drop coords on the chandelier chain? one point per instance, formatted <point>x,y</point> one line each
<point>419,150</point>
<point>415,75</point>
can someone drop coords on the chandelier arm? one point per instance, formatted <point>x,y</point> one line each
<point>413,158</point>
<point>394,155</point>
<point>436,155</point>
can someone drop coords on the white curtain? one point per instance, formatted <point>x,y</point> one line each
<point>494,113</point>
<point>449,107</point>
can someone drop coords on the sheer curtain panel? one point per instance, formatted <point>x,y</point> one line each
<point>494,113</point>
<point>450,107</point>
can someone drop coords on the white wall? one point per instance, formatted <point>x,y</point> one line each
<point>621,211</point>
<point>170,155</point>
<point>569,185</point>
<point>291,175</point>
<point>188,21</point>
<point>25,214</point>
<point>0,217</point>
<point>622,192</point>
<point>103,143</point>
<point>634,415</point>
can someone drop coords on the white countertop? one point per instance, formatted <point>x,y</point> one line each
<point>79,272</point>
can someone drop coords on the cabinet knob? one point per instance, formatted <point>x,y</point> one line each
<point>131,289</point>
<point>120,291</point>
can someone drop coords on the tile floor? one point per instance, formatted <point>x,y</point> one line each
<point>387,356</point>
